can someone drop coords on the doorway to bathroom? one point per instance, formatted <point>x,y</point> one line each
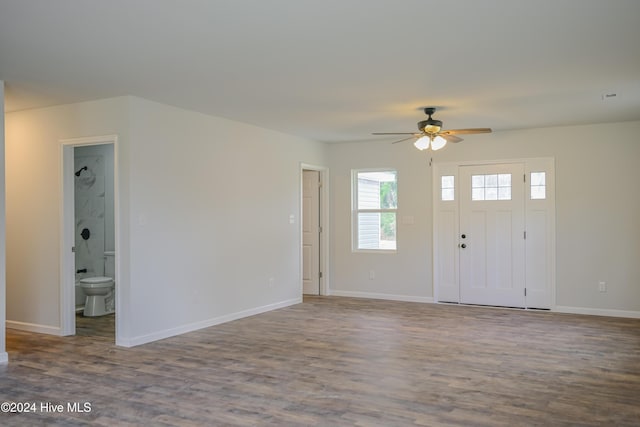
<point>89,278</point>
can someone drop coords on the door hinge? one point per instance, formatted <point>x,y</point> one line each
<point>525,292</point>
<point>524,177</point>
<point>320,275</point>
<point>320,229</point>
<point>525,235</point>
<point>73,248</point>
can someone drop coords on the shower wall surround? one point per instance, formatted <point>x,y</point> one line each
<point>94,229</point>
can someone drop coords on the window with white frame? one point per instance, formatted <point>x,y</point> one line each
<point>375,205</point>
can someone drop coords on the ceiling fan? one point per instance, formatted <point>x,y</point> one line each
<point>431,133</point>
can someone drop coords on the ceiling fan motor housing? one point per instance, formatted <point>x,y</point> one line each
<point>430,125</point>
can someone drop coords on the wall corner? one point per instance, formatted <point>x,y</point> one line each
<point>3,289</point>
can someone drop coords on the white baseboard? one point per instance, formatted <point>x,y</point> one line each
<point>4,358</point>
<point>559,308</point>
<point>34,327</point>
<point>597,311</point>
<point>144,339</point>
<point>371,295</point>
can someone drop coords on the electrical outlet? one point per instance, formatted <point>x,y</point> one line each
<point>602,286</point>
<point>372,274</point>
<point>271,281</point>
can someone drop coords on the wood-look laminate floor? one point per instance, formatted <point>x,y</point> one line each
<point>343,362</point>
<point>100,326</point>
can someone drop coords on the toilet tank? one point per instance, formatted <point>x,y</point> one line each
<point>110,264</point>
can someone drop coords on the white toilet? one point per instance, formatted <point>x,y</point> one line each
<point>100,290</point>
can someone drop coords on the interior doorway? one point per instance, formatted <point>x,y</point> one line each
<point>89,244</point>
<point>313,229</point>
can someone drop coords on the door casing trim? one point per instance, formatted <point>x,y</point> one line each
<point>67,230</point>
<point>530,164</point>
<point>324,223</point>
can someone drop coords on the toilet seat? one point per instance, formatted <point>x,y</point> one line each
<point>100,280</point>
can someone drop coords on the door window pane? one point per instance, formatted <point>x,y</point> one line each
<point>477,181</point>
<point>447,188</point>
<point>504,193</point>
<point>477,193</point>
<point>504,180</point>
<point>491,187</point>
<point>491,193</point>
<point>538,186</point>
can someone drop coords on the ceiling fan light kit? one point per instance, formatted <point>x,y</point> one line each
<point>424,142</point>
<point>438,142</point>
<point>432,135</point>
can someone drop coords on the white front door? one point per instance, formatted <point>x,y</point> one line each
<point>491,235</point>
<point>311,232</point>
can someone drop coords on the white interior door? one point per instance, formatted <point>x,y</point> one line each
<point>491,235</point>
<point>311,232</point>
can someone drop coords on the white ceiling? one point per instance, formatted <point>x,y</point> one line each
<point>333,70</point>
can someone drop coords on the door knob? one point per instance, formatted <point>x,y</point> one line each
<point>464,245</point>
<point>464,236</point>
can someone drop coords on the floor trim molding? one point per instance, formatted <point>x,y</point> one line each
<point>597,311</point>
<point>390,297</point>
<point>34,327</point>
<point>155,336</point>
<point>558,308</point>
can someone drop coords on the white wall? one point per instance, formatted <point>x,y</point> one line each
<point>3,353</point>
<point>210,206</point>
<point>597,211</point>
<point>33,174</point>
<point>205,203</point>
<point>204,215</point>
<point>405,274</point>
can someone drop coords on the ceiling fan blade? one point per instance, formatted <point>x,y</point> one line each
<point>465,131</point>
<point>403,139</point>
<point>395,133</point>
<point>450,138</point>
